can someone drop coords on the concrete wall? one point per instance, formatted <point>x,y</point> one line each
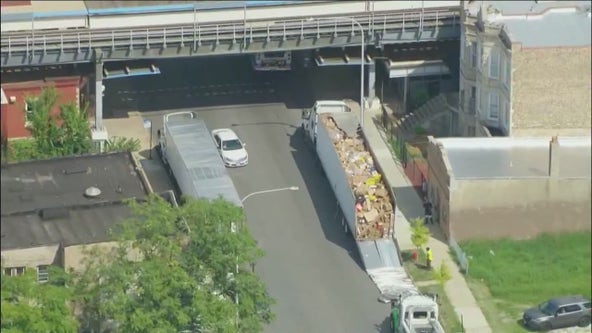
<point>32,257</point>
<point>518,208</point>
<point>551,91</point>
<point>74,255</point>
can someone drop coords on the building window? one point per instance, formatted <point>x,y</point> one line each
<point>42,273</point>
<point>14,271</point>
<point>508,75</point>
<point>474,54</point>
<point>494,105</point>
<point>503,68</point>
<point>494,64</point>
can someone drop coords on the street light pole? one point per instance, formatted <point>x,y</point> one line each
<point>234,229</point>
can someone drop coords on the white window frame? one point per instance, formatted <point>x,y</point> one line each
<point>508,74</point>
<point>474,51</point>
<point>503,68</point>
<point>494,63</point>
<point>493,96</point>
<point>42,273</point>
<point>14,271</point>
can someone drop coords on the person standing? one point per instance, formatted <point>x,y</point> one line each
<point>429,258</point>
<point>427,206</point>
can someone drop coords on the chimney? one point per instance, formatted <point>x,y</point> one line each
<point>554,157</point>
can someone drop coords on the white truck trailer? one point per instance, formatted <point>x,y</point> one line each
<point>190,154</point>
<point>368,210</point>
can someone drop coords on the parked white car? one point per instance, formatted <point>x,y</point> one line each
<point>231,148</point>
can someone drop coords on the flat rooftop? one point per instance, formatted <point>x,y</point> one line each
<point>61,182</point>
<point>542,23</point>
<point>503,157</point>
<point>43,202</point>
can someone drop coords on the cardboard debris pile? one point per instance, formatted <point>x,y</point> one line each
<point>373,203</point>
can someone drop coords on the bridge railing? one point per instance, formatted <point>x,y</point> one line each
<point>240,32</point>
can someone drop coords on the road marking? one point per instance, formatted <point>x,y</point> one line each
<point>271,90</point>
<point>267,83</point>
<point>228,85</point>
<point>248,91</point>
<point>168,89</point>
<point>218,86</point>
<point>206,94</point>
<point>223,92</point>
<point>125,91</point>
<point>196,87</point>
<point>214,93</point>
<point>211,86</point>
<point>159,90</point>
<point>244,84</point>
<point>142,92</point>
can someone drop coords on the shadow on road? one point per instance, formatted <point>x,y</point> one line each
<point>384,326</point>
<point>322,196</point>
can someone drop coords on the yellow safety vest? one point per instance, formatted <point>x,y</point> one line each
<point>429,255</point>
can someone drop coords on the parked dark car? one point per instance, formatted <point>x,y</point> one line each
<point>557,313</point>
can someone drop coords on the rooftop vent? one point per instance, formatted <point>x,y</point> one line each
<point>54,213</point>
<point>92,192</point>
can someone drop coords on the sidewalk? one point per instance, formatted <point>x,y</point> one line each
<point>409,202</point>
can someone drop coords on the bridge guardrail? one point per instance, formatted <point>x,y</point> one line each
<point>245,32</point>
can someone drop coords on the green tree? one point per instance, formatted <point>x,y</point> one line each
<point>442,274</point>
<point>420,234</point>
<point>32,307</point>
<point>57,135</point>
<point>187,276</point>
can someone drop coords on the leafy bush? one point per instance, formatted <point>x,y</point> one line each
<point>121,144</point>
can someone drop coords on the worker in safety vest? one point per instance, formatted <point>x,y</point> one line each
<point>429,258</point>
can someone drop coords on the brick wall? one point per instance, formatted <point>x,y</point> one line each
<point>551,90</point>
<point>13,113</point>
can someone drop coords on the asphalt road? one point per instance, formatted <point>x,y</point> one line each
<point>311,266</point>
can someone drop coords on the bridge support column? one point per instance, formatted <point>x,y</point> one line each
<point>98,95</point>
<point>98,132</point>
<point>371,82</point>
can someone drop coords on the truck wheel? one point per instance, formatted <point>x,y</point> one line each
<point>585,321</point>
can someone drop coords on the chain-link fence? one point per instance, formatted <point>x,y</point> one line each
<point>461,258</point>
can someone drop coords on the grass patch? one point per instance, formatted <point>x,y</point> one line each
<point>448,317</point>
<point>508,276</point>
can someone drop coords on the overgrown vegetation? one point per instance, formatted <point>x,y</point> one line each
<point>508,276</point>
<point>121,144</point>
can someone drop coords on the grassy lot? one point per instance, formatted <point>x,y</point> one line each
<point>508,276</point>
<point>448,317</point>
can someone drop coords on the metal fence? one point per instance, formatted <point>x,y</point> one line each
<point>461,257</point>
<point>239,32</point>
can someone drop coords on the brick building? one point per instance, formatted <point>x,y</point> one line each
<point>14,108</point>
<point>525,68</point>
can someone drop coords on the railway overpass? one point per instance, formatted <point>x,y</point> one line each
<point>116,31</point>
<point>194,29</point>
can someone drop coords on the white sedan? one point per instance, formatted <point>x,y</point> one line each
<point>230,147</point>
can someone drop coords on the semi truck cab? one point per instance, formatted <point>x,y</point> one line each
<point>310,116</point>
